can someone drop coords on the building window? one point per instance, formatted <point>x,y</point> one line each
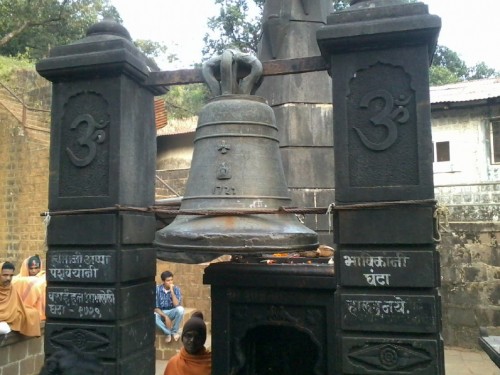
<point>495,142</point>
<point>442,151</point>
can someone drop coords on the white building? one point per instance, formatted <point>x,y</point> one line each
<point>466,137</point>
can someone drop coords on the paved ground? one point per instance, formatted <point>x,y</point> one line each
<point>458,361</point>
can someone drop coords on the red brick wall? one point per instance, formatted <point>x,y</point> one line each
<point>24,168</point>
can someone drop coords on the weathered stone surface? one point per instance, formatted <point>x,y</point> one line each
<point>103,153</point>
<point>418,313</point>
<point>82,230</point>
<point>379,57</point>
<point>378,355</point>
<point>100,229</point>
<point>470,282</point>
<point>95,266</point>
<point>101,304</point>
<point>385,268</point>
<point>304,124</point>
<point>284,38</point>
<point>300,10</point>
<point>315,198</point>
<point>311,167</point>
<point>372,164</point>
<point>395,225</point>
<point>297,88</point>
<point>86,265</point>
<point>142,363</point>
<point>111,341</point>
<point>240,291</point>
<point>137,229</point>
<point>97,186</point>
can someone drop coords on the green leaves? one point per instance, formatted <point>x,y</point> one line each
<point>237,26</point>
<point>447,67</point>
<point>33,27</point>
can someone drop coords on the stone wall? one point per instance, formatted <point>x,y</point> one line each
<point>24,168</point>
<point>470,262</point>
<point>470,289</point>
<point>478,202</point>
<point>21,355</point>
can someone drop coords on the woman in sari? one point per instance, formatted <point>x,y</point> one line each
<point>31,284</point>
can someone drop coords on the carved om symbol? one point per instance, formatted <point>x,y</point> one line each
<point>93,135</point>
<point>387,117</point>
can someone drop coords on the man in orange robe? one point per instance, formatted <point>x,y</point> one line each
<point>20,318</point>
<point>194,358</point>
<point>32,284</point>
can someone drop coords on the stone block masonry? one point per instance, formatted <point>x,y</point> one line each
<point>470,286</point>
<point>478,202</point>
<point>24,165</point>
<point>20,355</point>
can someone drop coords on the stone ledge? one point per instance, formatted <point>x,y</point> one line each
<point>14,337</point>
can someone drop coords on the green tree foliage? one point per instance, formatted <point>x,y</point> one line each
<point>233,28</point>
<point>440,75</point>
<point>236,27</point>
<point>481,70</point>
<point>8,65</point>
<point>31,28</point>
<point>185,101</point>
<point>445,57</point>
<point>447,67</point>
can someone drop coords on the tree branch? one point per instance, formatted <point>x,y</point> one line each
<point>26,24</point>
<point>11,35</point>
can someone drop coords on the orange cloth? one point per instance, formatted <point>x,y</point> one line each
<point>184,363</point>
<point>31,288</point>
<point>20,318</point>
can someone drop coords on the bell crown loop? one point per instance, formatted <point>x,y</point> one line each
<point>231,67</point>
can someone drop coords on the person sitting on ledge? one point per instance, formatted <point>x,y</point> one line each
<point>31,284</point>
<point>194,358</point>
<point>71,362</point>
<point>23,319</point>
<point>169,311</point>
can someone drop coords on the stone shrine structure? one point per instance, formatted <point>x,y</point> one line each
<point>100,264</point>
<point>367,318</point>
<point>387,302</point>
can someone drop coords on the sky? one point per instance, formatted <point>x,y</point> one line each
<point>470,28</point>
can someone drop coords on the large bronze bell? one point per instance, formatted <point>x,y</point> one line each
<point>236,170</point>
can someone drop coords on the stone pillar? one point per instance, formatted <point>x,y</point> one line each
<point>301,104</point>
<point>387,299</point>
<point>100,262</point>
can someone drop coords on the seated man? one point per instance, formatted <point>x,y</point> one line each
<point>31,284</point>
<point>168,311</point>
<point>23,319</point>
<point>193,359</point>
